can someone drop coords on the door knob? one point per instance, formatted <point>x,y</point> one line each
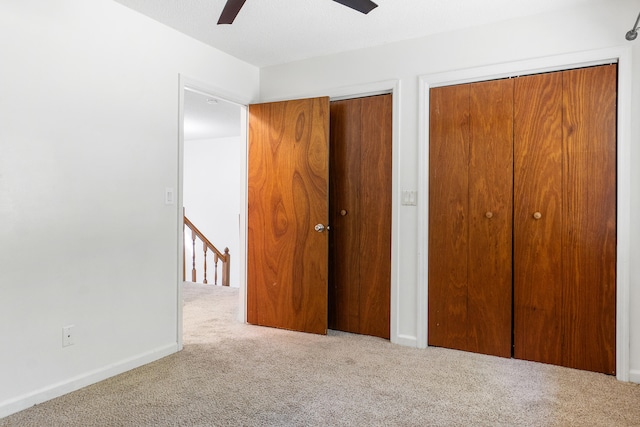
<point>343,212</point>
<point>537,215</point>
<point>489,215</point>
<point>319,228</point>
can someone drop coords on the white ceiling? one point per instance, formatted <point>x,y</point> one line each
<point>269,32</point>
<point>206,117</point>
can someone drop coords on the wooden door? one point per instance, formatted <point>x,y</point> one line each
<point>490,217</point>
<point>470,217</point>
<point>565,222</point>
<point>287,260</point>
<point>538,242</point>
<point>564,217</point>
<point>360,214</point>
<point>448,216</point>
<point>589,294</point>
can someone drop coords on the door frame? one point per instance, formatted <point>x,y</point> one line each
<point>360,91</point>
<point>621,56</point>
<point>188,83</point>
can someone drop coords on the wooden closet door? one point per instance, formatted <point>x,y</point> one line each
<point>563,203</point>
<point>344,242</point>
<point>375,221</point>
<point>589,294</point>
<point>565,218</point>
<point>360,205</point>
<point>448,216</point>
<point>490,217</point>
<point>538,242</point>
<point>470,217</point>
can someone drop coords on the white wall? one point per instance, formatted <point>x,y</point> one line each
<point>212,200</point>
<point>596,25</point>
<point>89,112</point>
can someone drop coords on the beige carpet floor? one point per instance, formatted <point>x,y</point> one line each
<point>231,374</point>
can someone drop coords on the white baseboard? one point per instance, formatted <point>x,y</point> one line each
<point>25,401</point>
<point>406,340</point>
<point>634,376</point>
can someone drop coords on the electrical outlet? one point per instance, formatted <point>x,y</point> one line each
<point>68,336</point>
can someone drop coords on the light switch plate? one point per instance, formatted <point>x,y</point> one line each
<point>169,196</point>
<point>409,198</point>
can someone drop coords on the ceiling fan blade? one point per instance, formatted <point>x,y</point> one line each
<point>364,6</point>
<point>230,11</point>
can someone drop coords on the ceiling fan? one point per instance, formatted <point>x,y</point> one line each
<point>232,8</point>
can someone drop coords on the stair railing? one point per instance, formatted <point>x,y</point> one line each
<point>206,246</point>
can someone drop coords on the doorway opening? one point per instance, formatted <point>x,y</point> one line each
<point>211,178</point>
<point>211,196</point>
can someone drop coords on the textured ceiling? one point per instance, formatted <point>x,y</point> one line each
<point>268,32</point>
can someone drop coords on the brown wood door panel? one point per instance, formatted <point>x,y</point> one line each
<point>538,243</point>
<point>448,216</point>
<point>562,241</point>
<point>287,260</point>
<point>344,244</point>
<point>375,217</point>
<point>590,218</point>
<point>360,205</point>
<point>490,217</point>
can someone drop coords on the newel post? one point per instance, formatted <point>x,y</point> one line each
<point>226,267</point>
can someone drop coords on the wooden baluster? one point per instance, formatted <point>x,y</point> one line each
<point>204,247</point>
<point>226,267</point>
<point>226,258</point>
<point>215,261</point>
<point>193,251</point>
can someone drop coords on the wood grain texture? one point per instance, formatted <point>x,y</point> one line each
<point>344,244</point>
<point>287,195</point>
<point>589,294</point>
<point>537,258</point>
<point>564,262</point>
<point>375,215</point>
<point>490,190</point>
<point>360,185</point>
<point>448,216</point>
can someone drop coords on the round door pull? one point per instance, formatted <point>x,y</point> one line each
<point>537,215</point>
<point>343,212</point>
<point>319,228</point>
<point>489,215</point>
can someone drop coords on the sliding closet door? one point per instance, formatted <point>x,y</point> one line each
<point>470,214</point>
